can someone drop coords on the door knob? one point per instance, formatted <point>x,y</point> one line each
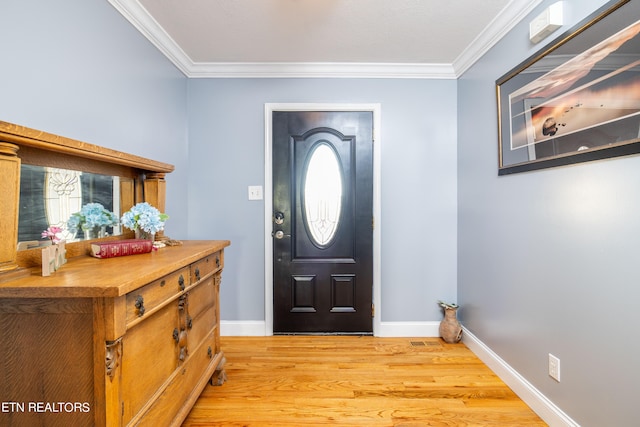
<point>278,218</point>
<point>279,234</point>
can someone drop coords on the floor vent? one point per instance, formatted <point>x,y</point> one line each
<point>429,343</point>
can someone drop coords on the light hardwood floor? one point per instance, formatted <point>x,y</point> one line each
<point>356,381</point>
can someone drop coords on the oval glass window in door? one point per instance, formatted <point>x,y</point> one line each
<point>322,194</point>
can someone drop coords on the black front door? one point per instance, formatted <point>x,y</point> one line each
<point>322,222</point>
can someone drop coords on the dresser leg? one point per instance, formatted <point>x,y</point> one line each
<point>219,375</point>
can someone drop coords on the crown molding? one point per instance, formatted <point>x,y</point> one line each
<point>504,22</point>
<point>321,70</point>
<point>138,16</point>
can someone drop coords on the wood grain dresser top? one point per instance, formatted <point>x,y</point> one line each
<point>88,277</point>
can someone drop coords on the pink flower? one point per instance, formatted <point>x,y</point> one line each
<point>52,233</point>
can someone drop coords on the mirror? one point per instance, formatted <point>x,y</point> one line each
<point>85,171</point>
<point>49,196</point>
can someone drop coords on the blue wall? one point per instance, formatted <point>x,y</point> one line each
<point>547,259</point>
<point>541,262</point>
<point>418,143</point>
<point>77,68</point>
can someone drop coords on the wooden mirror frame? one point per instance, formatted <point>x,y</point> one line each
<point>142,180</point>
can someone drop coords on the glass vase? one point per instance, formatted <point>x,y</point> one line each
<point>95,232</point>
<point>146,235</point>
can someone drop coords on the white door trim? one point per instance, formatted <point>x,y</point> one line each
<point>269,108</point>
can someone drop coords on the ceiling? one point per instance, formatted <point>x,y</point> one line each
<point>324,38</point>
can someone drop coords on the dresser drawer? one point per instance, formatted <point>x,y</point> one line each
<point>173,405</point>
<point>150,356</point>
<point>146,300</point>
<point>202,310</point>
<point>206,265</point>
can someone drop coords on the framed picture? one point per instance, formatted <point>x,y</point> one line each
<point>576,100</point>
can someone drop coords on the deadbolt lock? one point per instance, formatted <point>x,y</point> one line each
<point>278,218</point>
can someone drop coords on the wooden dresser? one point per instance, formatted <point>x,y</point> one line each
<point>112,342</point>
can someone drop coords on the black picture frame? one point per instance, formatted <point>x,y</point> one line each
<point>577,99</point>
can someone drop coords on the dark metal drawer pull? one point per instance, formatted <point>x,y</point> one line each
<point>140,305</point>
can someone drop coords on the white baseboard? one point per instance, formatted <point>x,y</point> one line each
<point>538,402</point>
<point>243,328</point>
<point>408,329</point>
<point>257,328</point>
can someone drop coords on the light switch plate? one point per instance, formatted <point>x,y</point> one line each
<point>255,192</point>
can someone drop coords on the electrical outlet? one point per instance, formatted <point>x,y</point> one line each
<point>554,367</point>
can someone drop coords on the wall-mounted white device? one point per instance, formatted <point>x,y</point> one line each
<point>546,23</point>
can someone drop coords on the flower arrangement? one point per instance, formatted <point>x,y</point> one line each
<point>144,217</point>
<point>91,215</point>
<point>54,234</point>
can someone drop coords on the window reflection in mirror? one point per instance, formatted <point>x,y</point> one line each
<point>49,196</point>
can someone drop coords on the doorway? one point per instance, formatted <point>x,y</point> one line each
<point>322,272</point>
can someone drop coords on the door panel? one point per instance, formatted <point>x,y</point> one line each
<point>323,210</point>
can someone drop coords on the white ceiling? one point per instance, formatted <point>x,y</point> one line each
<point>323,38</point>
